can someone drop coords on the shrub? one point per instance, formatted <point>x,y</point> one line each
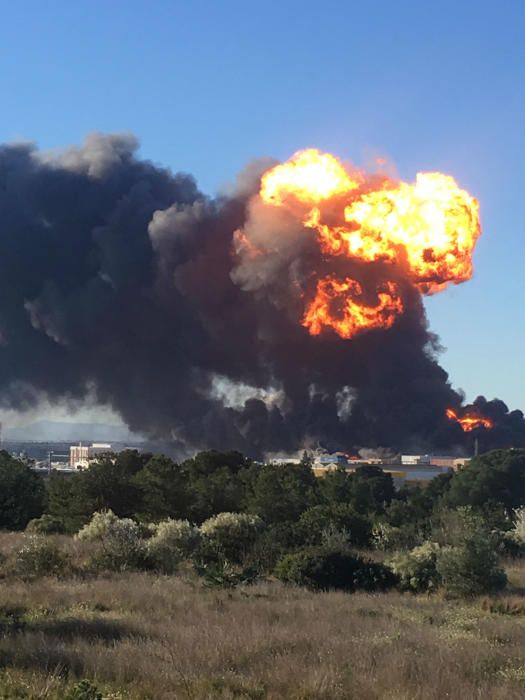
<point>388,537</point>
<point>39,556</point>
<point>45,525</point>
<point>271,544</point>
<point>338,516</point>
<point>172,542</point>
<point>98,526</point>
<point>324,569</point>
<point>518,530</point>
<point>84,690</point>
<point>471,567</point>
<point>232,535</point>
<point>121,543</point>
<point>417,568</point>
<point>122,547</point>
<point>224,575</point>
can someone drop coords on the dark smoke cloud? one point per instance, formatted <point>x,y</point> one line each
<point>120,278</point>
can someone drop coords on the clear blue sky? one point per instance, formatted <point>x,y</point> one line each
<point>208,85</point>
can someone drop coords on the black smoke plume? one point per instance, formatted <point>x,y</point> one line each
<point>119,279</point>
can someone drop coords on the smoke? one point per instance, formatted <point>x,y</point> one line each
<point>120,279</point>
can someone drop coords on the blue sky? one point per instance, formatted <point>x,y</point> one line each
<point>208,85</point>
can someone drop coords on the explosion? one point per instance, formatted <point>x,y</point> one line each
<point>285,314</point>
<point>469,421</point>
<point>424,233</point>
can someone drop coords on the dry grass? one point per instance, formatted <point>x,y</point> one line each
<point>142,636</point>
<point>160,637</point>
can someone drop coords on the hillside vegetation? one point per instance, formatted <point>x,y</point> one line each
<point>220,578</point>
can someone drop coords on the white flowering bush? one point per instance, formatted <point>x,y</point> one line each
<point>172,542</point>
<point>99,525</point>
<point>518,530</point>
<point>121,544</point>
<point>387,537</point>
<point>232,534</point>
<point>417,569</point>
<point>39,556</point>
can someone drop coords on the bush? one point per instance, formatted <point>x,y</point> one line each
<point>232,535</point>
<point>388,537</point>
<point>322,569</point>
<point>39,556</point>
<point>172,542</point>
<point>271,544</point>
<point>471,567</point>
<point>98,526</point>
<point>84,690</point>
<point>224,575</point>
<point>121,543</point>
<point>338,516</point>
<point>45,525</point>
<point>518,530</point>
<point>416,569</point>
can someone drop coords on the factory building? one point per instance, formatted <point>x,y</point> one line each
<point>406,469</point>
<point>80,456</point>
<point>454,463</point>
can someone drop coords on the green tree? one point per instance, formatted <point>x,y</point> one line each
<point>336,487</point>
<point>280,493</point>
<point>372,490</point>
<point>493,479</point>
<point>22,493</point>
<point>108,483</point>
<point>338,516</point>
<point>64,501</point>
<point>164,490</point>
<point>215,483</point>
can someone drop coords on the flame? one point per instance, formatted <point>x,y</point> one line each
<point>308,177</point>
<point>433,223</point>
<point>338,305</point>
<point>469,421</point>
<point>426,231</point>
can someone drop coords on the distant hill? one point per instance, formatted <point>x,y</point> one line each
<point>55,431</point>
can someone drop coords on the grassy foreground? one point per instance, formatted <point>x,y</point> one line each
<point>140,635</point>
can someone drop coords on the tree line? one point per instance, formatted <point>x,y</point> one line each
<point>151,488</point>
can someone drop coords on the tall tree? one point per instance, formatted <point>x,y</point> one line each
<point>22,493</point>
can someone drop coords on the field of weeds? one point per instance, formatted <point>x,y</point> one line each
<point>140,635</point>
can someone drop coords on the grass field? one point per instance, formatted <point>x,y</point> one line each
<point>144,636</point>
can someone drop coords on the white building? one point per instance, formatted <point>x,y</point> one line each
<point>416,459</point>
<point>80,456</point>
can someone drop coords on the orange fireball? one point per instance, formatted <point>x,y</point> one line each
<point>308,177</point>
<point>427,230</point>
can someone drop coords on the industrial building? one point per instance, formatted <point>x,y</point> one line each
<point>80,456</point>
<point>405,469</point>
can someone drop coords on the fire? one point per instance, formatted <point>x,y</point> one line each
<point>339,305</point>
<point>425,232</point>
<point>432,223</point>
<point>309,177</point>
<point>469,421</point>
